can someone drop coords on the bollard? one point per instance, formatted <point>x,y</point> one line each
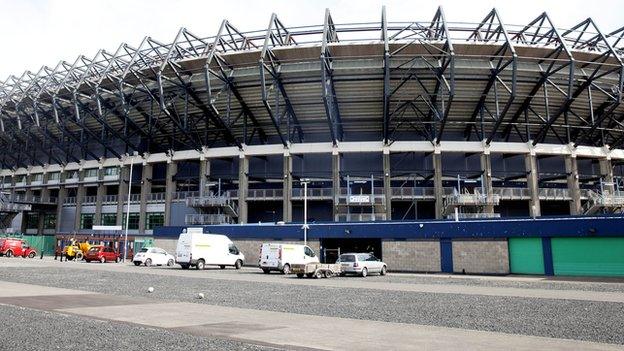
<point>41,255</point>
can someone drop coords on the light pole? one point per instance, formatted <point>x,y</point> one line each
<point>305,211</point>
<point>128,208</point>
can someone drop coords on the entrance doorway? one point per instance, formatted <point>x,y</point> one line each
<point>331,248</point>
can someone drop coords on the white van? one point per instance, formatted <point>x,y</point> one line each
<point>196,249</point>
<point>280,257</point>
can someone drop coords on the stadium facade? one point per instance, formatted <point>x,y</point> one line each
<point>391,125</point>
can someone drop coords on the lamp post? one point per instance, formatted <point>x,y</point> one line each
<point>128,208</point>
<point>305,210</point>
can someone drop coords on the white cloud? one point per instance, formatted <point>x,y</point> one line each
<point>36,33</point>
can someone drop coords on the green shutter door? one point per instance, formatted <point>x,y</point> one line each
<point>588,256</point>
<point>525,256</point>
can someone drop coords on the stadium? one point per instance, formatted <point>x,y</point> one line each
<point>441,146</point>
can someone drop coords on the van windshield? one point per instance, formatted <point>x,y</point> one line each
<point>347,258</point>
<point>143,249</point>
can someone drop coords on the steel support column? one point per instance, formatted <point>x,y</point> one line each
<point>335,182</point>
<point>80,194</point>
<point>204,177</point>
<point>97,218</point>
<point>122,193</point>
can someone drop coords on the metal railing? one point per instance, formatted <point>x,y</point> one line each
<point>213,218</point>
<point>360,217</point>
<point>554,194</point>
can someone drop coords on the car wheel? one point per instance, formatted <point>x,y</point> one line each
<point>31,255</point>
<point>364,272</point>
<point>185,266</point>
<point>170,263</point>
<point>309,275</point>
<point>200,265</point>
<point>117,259</point>
<point>9,253</point>
<point>137,263</point>
<point>88,261</point>
<point>148,262</point>
<point>318,274</point>
<point>300,275</point>
<point>222,266</point>
<point>79,256</point>
<point>238,264</point>
<point>383,271</point>
<point>103,260</point>
<point>266,271</point>
<point>286,269</point>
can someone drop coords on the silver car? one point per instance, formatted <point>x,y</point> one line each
<point>361,263</point>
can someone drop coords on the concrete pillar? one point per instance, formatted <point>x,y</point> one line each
<point>170,189</point>
<point>437,185</point>
<point>530,164</point>
<point>45,191</point>
<point>486,167</point>
<point>40,223</point>
<point>122,193</point>
<point>204,176</point>
<point>243,187</point>
<point>80,193</point>
<point>146,190</point>
<point>606,172</point>
<point>60,199</point>
<point>387,183</point>
<point>287,189</point>
<point>97,218</point>
<point>573,185</point>
<point>336,181</point>
<point>29,191</point>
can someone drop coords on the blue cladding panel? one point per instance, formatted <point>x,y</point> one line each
<point>548,257</point>
<point>498,228</point>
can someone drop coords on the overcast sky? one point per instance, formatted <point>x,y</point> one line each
<point>34,33</point>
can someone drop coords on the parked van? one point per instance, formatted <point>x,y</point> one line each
<point>196,249</point>
<point>280,257</point>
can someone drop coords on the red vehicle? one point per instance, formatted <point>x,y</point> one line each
<point>10,247</point>
<point>102,254</point>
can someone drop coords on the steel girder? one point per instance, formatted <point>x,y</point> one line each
<point>277,35</point>
<point>492,28</point>
<point>229,38</point>
<point>541,31</point>
<point>425,106</point>
<point>330,100</point>
<point>596,67</point>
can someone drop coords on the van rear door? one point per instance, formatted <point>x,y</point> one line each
<point>271,255</point>
<point>183,249</point>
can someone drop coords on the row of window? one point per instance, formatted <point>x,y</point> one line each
<point>49,221</point>
<point>52,176</point>
<point>152,220</point>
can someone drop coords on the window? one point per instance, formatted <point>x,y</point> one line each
<point>49,221</point>
<point>347,258</point>
<point>371,258</point>
<point>233,249</point>
<point>363,257</point>
<point>109,219</point>
<point>86,221</point>
<point>73,175</point>
<point>54,176</point>
<point>91,173</point>
<point>143,249</point>
<point>111,171</point>
<point>38,177</point>
<point>20,179</point>
<point>154,219</point>
<point>32,221</point>
<point>133,222</point>
<point>308,251</point>
<point>7,180</point>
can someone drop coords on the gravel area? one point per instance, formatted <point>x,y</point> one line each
<point>21,327</point>
<point>570,319</point>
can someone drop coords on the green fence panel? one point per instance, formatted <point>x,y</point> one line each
<point>588,256</point>
<point>525,256</point>
<point>42,243</point>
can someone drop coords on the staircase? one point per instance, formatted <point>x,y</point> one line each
<point>470,205</point>
<point>212,209</point>
<point>603,202</point>
<point>8,211</point>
